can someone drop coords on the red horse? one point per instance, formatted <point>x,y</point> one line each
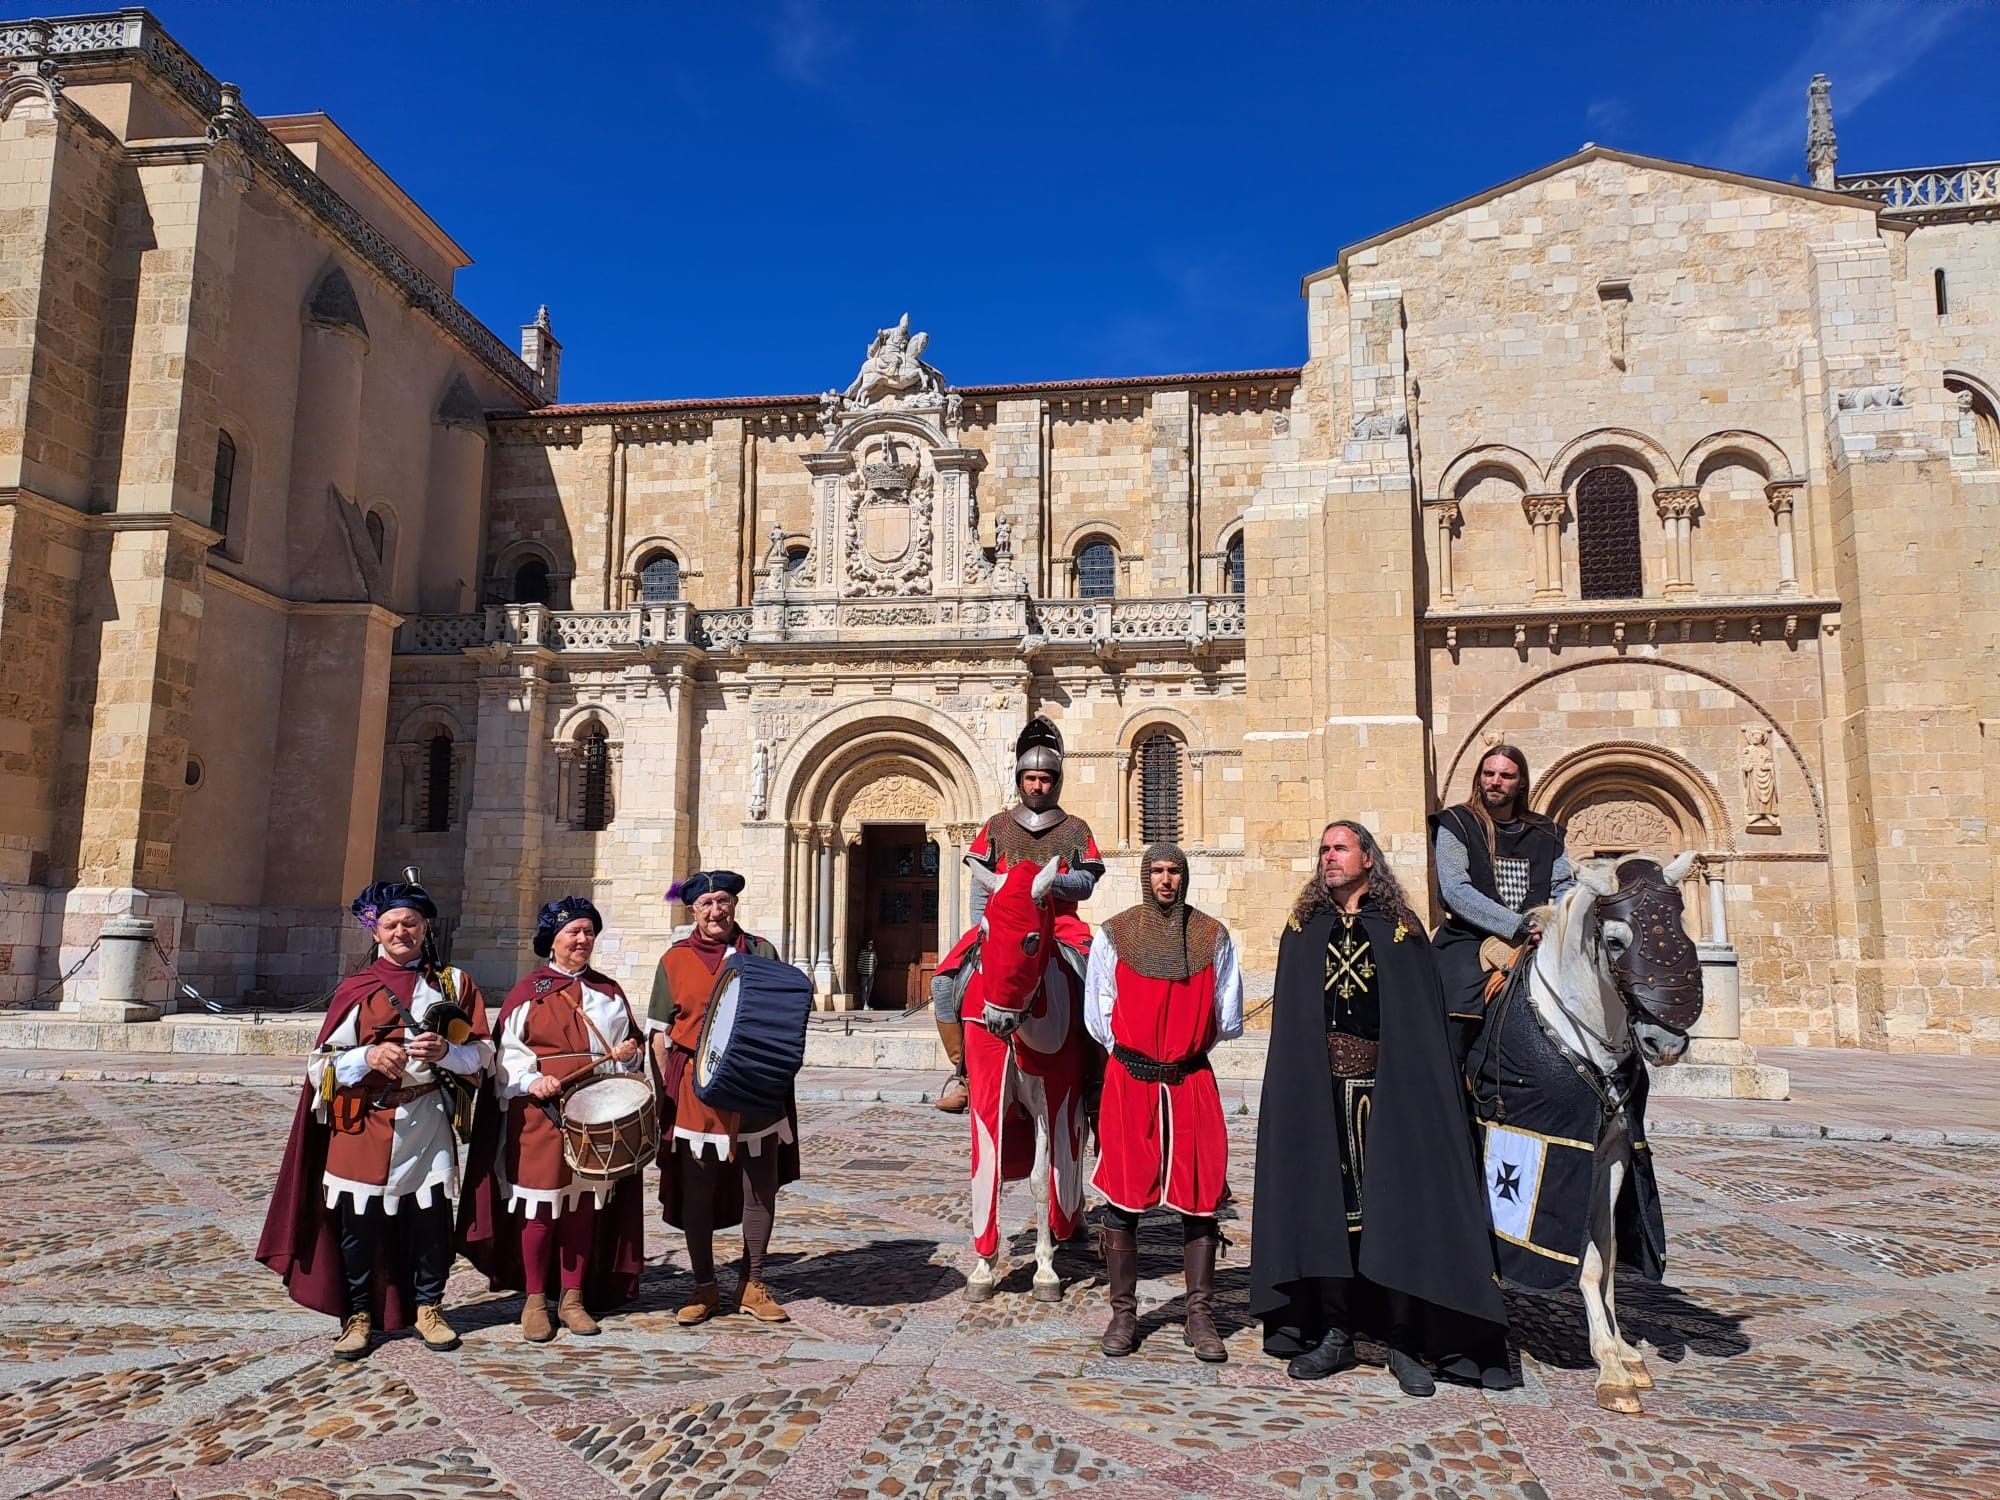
<point>1024,1067</point>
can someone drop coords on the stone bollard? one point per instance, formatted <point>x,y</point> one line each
<point>125,945</point>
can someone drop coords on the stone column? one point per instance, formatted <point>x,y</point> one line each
<point>1545,513</point>
<point>1718,922</point>
<point>1676,506</point>
<point>1781,494</point>
<point>1123,780</point>
<point>843,872</point>
<point>951,875</point>
<point>798,877</point>
<point>823,905</point>
<point>1196,820</point>
<point>125,947</point>
<point>1448,516</point>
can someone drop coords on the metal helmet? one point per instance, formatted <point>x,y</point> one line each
<point>1040,748</point>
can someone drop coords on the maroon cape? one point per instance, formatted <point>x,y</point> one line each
<point>301,1238</point>
<point>490,1237</point>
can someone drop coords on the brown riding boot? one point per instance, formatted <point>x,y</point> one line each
<point>535,1325</point>
<point>701,1306</point>
<point>437,1334</point>
<point>1198,1329</point>
<point>570,1309</point>
<point>756,1300</point>
<point>954,1096</point>
<point>354,1336</point>
<point>1121,1280</point>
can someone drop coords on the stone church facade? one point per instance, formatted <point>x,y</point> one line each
<point>1683,481</point>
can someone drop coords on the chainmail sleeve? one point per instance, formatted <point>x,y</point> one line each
<point>1462,897</point>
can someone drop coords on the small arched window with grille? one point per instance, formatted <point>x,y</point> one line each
<point>1607,535</point>
<point>1097,570</point>
<point>1160,788</point>
<point>593,775</point>
<point>531,582</point>
<point>437,784</point>
<point>1233,563</point>
<point>224,491</point>
<point>660,579</point>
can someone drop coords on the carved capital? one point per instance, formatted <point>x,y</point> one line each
<point>1781,494</point>
<point>1676,502</point>
<point>1449,516</point>
<point>1545,510</point>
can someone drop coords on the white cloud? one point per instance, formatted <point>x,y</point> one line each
<point>1862,47</point>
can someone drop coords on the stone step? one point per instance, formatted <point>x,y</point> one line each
<point>214,1036</point>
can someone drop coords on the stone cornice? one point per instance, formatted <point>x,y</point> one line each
<point>1629,610</point>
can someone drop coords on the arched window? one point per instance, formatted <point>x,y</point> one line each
<point>796,557</point>
<point>1975,410</point>
<point>378,535</point>
<point>1160,788</point>
<point>593,770</point>
<point>1097,570</point>
<point>531,582</point>
<point>1607,535</point>
<point>1938,291</point>
<point>1233,563</point>
<point>660,579</point>
<point>437,784</point>
<point>224,489</point>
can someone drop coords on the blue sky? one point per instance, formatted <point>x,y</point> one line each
<point>725,199</point>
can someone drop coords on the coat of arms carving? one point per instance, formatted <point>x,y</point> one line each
<point>888,530</point>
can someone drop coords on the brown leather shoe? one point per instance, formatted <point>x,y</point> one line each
<point>954,1096</point>
<point>437,1334</point>
<point>702,1306</point>
<point>354,1338</point>
<point>1198,1330</point>
<point>535,1325</point>
<point>570,1309</point>
<point>1121,1276</point>
<point>756,1300</point>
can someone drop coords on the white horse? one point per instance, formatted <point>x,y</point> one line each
<point>1614,980</point>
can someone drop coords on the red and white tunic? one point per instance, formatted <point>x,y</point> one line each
<point>1162,1144</point>
<point>544,1033</point>
<point>409,1150</point>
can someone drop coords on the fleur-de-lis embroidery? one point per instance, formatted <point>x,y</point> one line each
<point>1349,962</point>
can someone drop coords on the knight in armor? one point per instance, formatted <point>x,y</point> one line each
<point>1036,830</point>
<point>360,1222</point>
<point>1496,862</point>
<point>718,1168</point>
<point>527,1220</point>
<point>1163,987</point>
<point>1369,1214</point>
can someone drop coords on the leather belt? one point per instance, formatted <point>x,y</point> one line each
<point>1350,1056</point>
<point>397,1098</point>
<point>1152,1070</point>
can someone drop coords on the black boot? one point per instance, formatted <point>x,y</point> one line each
<point>1410,1373</point>
<point>1121,1277</point>
<point>1330,1356</point>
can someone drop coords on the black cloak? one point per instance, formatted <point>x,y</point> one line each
<point>1426,1231</point>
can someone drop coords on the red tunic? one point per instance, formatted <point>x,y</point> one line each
<point>1163,1143</point>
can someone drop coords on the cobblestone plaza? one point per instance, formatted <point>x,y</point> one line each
<point>1824,1333</point>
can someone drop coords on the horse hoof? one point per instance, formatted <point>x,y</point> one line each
<point>1049,1291</point>
<point>979,1291</point>
<point>1640,1376</point>
<point>1621,1398</point>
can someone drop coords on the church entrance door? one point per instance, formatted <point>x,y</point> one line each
<point>899,913</point>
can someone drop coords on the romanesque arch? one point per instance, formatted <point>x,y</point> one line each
<point>1614,445</point>
<point>1751,450</point>
<point>1487,461</point>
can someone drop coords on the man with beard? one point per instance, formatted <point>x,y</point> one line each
<point>1495,861</point>
<point>1037,831</point>
<point>1369,1216</point>
<point>1162,988</point>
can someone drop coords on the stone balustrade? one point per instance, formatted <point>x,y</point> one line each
<point>1087,623</point>
<point>1932,194</point>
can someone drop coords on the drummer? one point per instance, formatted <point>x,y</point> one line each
<point>529,1223</point>
<point>717,1168</point>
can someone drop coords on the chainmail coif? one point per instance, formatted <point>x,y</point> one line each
<point>1170,941</point>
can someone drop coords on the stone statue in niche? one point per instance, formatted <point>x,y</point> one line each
<point>1760,781</point>
<point>760,780</point>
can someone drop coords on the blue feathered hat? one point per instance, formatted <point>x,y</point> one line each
<point>385,896</point>
<point>559,914</point>
<point>699,884</point>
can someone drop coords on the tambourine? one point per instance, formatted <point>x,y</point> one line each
<point>753,1039</point>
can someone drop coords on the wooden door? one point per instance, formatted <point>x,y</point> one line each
<point>899,913</point>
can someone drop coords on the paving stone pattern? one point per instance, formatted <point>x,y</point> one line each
<point>1825,1334</point>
